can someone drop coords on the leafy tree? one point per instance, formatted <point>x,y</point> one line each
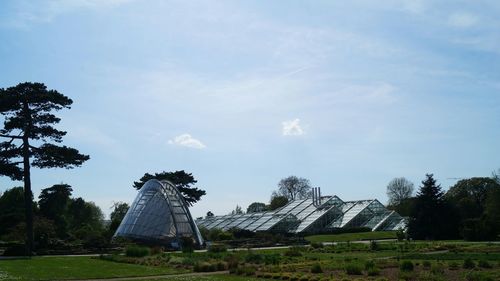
<point>83,213</point>
<point>11,208</point>
<point>432,217</point>
<point>28,122</point>
<point>277,201</point>
<point>496,176</point>
<point>53,203</point>
<point>492,214</point>
<point>120,209</point>
<point>256,207</point>
<point>405,207</point>
<point>182,180</point>
<point>44,230</point>
<point>293,187</point>
<point>398,190</point>
<point>237,211</point>
<point>469,196</point>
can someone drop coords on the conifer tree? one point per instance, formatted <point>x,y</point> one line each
<point>182,180</point>
<point>31,138</point>
<point>432,217</point>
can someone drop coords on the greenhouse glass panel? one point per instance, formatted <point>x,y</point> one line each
<point>160,215</point>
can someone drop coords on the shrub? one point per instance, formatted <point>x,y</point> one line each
<point>374,246</point>
<point>15,250</point>
<point>293,252</point>
<point>285,276</point>
<point>272,259</point>
<point>373,271</point>
<point>249,270</point>
<point>406,266</point>
<point>252,257</point>
<point>401,235</point>
<point>232,261</point>
<point>187,244</point>
<point>304,278</point>
<point>437,269</point>
<point>221,266</point>
<point>468,264</point>
<point>427,276</point>
<point>477,276</point>
<point>316,268</point>
<point>369,264</point>
<point>217,248</point>
<point>156,250</point>
<point>204,267</point>
<point>426,264</point>
<point>353,269</point>
<point>405,275</point>
<point>453,265</point>
<point>137,251</point>
<point>484,264</point>
<point>316,245</point>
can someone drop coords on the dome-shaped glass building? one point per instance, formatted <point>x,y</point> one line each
<point>159,215</point>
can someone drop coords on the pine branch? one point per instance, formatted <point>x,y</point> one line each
<point>12,137</point>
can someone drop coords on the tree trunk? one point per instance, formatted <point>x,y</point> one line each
<point>28,204</point>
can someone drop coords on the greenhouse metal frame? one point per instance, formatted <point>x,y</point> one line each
<point>159,215</point>
<point>316,214</point>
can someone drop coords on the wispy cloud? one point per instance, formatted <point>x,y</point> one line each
<point>462,20</point>
<point>292,128</point>
<point>98,139</point>
<point>26,13</point>
<point>188,141</point>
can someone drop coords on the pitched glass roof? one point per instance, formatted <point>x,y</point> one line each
<point>308,214</point>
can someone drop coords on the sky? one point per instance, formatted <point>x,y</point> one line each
<point>348,94</point>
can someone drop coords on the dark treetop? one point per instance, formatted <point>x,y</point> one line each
<point>27,111</point>
<point>182,180</point>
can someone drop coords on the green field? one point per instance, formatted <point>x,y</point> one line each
<point>215,277</point>
<point>432,261</point>
<point>344,237</point>
<point>51,268</point>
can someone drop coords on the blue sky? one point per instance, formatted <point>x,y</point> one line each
<point>348,94</point>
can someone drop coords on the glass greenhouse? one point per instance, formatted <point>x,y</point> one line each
<point>159,215</point>
<point>312,215</point>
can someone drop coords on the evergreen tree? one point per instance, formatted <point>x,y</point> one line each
<point>32,140</point>
<point>182,180</point>
<point>53,203</point>
<point>432,217</point>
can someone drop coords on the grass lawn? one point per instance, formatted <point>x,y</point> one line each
<point>375,235</point>
<point>50,268</point>
<point>215,277</point>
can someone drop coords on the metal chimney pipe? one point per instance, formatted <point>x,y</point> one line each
<point>315,199</point>
<point>319,195</point>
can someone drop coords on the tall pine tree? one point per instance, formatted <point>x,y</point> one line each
<point>31,138</point>
<point>432,217</point>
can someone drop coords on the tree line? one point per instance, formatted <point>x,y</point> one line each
<point>467,210</point>
<point>30,139</point>
<point>64,222</point>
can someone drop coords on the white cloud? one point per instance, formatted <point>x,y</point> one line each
<point>462,20</point>
<point>188,141</point>
<point>292,128</point>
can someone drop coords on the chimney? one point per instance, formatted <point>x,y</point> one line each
<point>319,195</point>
